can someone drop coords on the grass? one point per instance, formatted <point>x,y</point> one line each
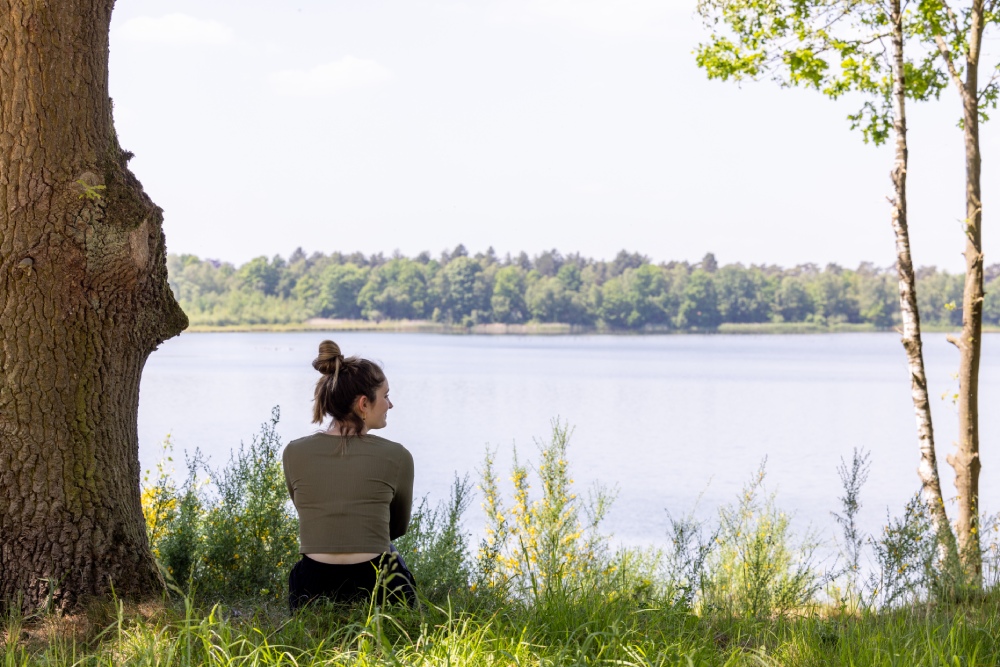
<point>543,588</point>
<point>587,630</point>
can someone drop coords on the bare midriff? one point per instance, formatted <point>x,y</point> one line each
<point>343,559</point>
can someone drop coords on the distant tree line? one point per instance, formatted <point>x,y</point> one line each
<point>628,293</point>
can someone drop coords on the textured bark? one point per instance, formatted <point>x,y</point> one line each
<point>930,480</point>
<point>965,460</point>
<point>83,301</point>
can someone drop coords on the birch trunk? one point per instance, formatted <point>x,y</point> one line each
<point>930,480</point>
<point>83,301</point>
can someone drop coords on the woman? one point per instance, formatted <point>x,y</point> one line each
<point>352,490</point>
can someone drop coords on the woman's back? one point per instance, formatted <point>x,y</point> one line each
<point>352,494</point>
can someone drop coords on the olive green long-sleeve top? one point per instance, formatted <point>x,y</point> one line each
<point>353,496</point>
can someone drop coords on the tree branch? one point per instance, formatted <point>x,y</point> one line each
<point>875,38</point>
<point>989,84</point>
<point>838,16</point>
<point>949,63</point>
<point>951,15</point>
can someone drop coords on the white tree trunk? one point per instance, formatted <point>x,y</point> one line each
<point>928,468</point>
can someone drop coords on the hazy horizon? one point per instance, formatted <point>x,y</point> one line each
<point>473,252</point>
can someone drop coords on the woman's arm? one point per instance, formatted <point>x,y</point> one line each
<point>284,470</point>
<point>402,501</point>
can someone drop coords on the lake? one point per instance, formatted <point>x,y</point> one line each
<point>668,421</point>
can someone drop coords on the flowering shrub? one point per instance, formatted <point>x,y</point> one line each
<point>233,538</point>
<point>174,518</point>
<point>757,569</point>
<point>537,546</point>
<point>251,530</point>
<point>159,499</point>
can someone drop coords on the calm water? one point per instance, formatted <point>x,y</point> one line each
<point>664,419</point>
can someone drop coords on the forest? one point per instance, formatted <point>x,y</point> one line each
<point>628,293</point>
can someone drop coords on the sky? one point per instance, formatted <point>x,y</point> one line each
<point>525,125</point>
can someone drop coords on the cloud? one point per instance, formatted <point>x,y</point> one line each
<point>330,79</point>
<point>175,29</point>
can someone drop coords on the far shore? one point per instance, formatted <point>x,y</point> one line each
<point>551,328</point>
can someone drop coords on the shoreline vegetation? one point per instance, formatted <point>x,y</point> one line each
<point>543,587</point>
<point>554,328</point>
<point>551,293</point>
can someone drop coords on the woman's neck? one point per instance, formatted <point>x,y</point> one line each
<point>335,430</point>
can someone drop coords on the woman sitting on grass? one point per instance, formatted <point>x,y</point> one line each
<point>353,491</point>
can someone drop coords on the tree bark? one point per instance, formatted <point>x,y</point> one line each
<point>965,460</point>
<point>930,480</point>
<point>83,301</point>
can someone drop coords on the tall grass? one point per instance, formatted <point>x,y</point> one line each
<point>543,588</point>
<point>590,632</point>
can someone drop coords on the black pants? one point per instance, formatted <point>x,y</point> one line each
<point>310,580</point>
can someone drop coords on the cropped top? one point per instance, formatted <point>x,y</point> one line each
<point>353,496</point>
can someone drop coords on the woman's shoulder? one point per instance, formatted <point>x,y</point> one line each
<point>385,443</point>
<point>307,440</point>
<point>379,440</point>
<point>305,444</point>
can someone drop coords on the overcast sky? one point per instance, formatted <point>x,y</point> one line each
<point>582,125</point>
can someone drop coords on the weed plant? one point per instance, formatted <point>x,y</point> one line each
<point>437,546</point>
<point>232,538</point>
<point>758,569</point>
<point>550,548</point>
<point>908,563</point>
<point>852,478</point>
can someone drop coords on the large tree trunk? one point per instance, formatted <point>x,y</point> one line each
<point>965,460</point>
<point>83,301</point>
<point>912,343</point>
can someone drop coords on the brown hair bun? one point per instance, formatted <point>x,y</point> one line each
<point>329,360</point>
<point>342,382</point>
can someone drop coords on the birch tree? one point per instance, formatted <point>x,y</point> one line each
<point>84,300</point>
<point>839,47</point>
